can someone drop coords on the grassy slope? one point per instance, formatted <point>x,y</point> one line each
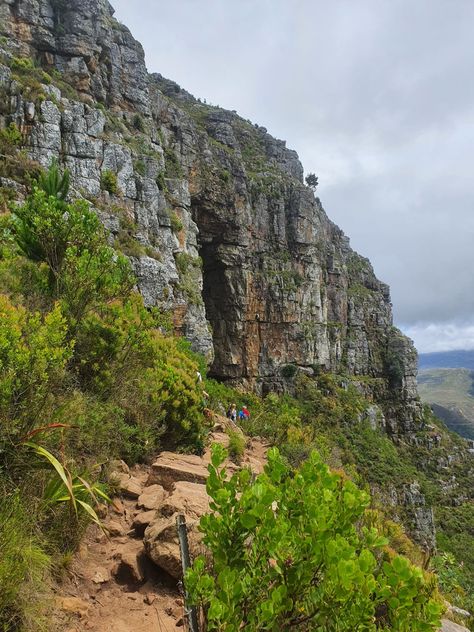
<point>450,389</point>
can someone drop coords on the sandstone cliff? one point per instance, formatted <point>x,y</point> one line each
<point>212,210</point>
<point>220,227</point>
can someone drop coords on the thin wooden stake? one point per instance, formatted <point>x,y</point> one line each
<point>190,611</point>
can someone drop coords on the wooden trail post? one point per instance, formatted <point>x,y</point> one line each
<point>190,611</point>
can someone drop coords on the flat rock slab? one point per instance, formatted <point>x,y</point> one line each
<point>449,626</point>
<point>190,499</point>
<point>169,468</point>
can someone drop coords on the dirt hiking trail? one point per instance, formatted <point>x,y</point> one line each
<point>130,579</point>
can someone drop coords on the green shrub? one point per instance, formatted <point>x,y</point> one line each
<point>236,445</point>
<point>29,77</point>
<point>176,223</point>
<point>138,123</point>
<point>288,551</point>
<point>140,167</point>
<point>22,63</point>
<point>53,183</point>
<point>185,262</point>
<point>173,167</point>
<point>33,357</point>
<point>10,139</point>
<point>161,182</point>
<point>288,371</point>
<point>108,182</point>
<point>69,239</point>
<point>224,175</point>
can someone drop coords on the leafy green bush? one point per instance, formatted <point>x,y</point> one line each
<point>69,239</point>
<point>288,371</point>
<point>290,551</point>
<point>138,123</point>
<point>108,182</point>
<point>236,445</point>
<point>176,223</point>
<point>10,139</point>
<point>140,167</point>
<point>33,357</point>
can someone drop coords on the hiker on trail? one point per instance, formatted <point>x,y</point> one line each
<point>244,413</point>
<point>232,413</point>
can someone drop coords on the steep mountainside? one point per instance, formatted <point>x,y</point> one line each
<point>224,235</point>
<point>221,229</point>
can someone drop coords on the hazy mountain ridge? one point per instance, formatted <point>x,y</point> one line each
<point>450,393</point>
<point>463,359</point>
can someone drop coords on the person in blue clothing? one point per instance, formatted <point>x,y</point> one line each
<point>244,413</point>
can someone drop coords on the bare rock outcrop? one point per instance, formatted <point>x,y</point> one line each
<point>227,235</point>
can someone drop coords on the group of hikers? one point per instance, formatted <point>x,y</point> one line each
<point>231,411</point>
<point>241,415</point>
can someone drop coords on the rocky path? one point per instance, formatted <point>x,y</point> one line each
<point>129,580</point>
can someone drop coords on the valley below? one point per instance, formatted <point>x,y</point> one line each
<point>450,393</point>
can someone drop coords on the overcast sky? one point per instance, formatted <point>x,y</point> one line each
<point>377,97</point>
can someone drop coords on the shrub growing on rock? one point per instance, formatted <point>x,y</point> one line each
<point>108,182</point>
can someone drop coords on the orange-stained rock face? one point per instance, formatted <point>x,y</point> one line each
<point>227,236</point>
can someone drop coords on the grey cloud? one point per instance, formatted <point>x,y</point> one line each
<point>376,96</point>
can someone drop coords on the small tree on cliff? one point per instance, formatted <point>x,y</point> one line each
<point>290,551</point>
<point>312,181</point>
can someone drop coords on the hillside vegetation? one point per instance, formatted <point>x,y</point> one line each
<point>88,374</point>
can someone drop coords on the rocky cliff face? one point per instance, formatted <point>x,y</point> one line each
<point>213,211</point>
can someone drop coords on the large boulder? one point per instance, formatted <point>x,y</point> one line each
<point>162,544</point>
<point>161,536</point>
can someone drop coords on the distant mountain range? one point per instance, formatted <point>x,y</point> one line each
<point>447,360</point>
<point>450,392</point>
